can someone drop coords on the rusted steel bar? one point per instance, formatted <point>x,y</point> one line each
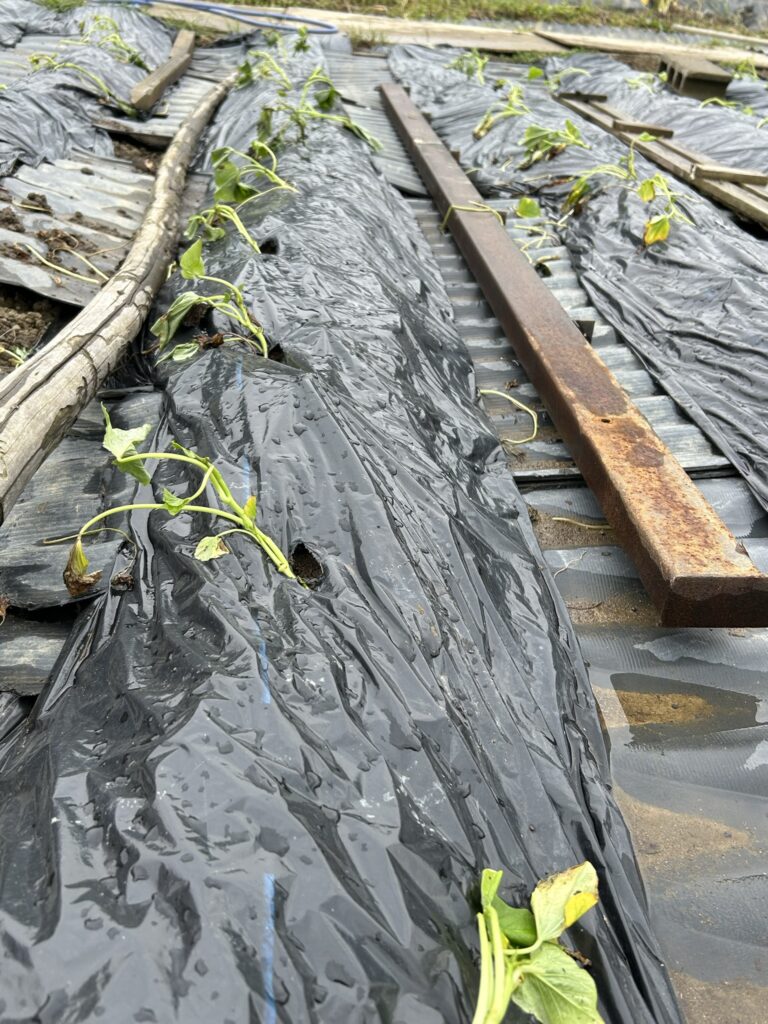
<point>692,566</point>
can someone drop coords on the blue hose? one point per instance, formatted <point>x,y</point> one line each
<point>313,27</point>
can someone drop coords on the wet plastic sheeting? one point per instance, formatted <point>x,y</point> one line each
<point>694,308</point>
<point>44,115</point>
<point>251,800</point>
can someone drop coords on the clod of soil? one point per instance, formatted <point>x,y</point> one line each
<point>141,157</point>
<point>39,201</point>
<point>10,221</point>
<point>57,239</point>
<point>15,252</point>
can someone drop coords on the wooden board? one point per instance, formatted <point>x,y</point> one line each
<point>388,30</point>
<point>615,44</point>
<point>148,91</point>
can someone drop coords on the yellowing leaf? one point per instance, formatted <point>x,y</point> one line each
<point>558,901</point>
<point>209,548</point>
<point>77,580</point>
<point>656,229</point>
<point>578,905</point>
<point>250,508</point>
<point>647,190</point>
<point>555,990</point>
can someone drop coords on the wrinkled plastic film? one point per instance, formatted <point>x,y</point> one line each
<point>247,799</point>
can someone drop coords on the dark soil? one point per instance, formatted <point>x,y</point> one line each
<point>143,158</point>
<point>57,239</point>
<point>39,201</point>
<point>10,221</point>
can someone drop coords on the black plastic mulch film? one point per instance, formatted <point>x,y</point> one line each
<point>694,308</point>
<point>46,113</point>
<point>242,800</point>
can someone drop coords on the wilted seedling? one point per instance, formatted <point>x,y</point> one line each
<point>259,164</point>
<point>470,64</point>
<point>210,223</point>
<point>521,958</point>
<point>301,43</point>
<point>316,99</point>
<point>555,81</point>
<point>103,31</point>
<point>46,62</point>
<point>231,303</point>
<point>14,354</point>
<point>546,143</point>
<point>512,106</point>
<point>122,444</point>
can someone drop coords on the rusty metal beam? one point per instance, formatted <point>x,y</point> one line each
<point>692,566</point>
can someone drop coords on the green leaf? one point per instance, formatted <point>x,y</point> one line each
<point>645,137</point>
<point>191,261</point>
<point>325,98</point>
<point>647,190</point>
<point>210,548</point>
<point>489,886</point>
<point>181,353</point>
<point>122,443</point>
<point>560,900</point>
<point>656,229</point>
<point>534,72</point>
<point>517,923</point>
<point>250,508</point>
<point>166,325</point>
<point>173,504</point>
<point>555,990</point>
<point>527,207</point>
<point>226,178</point>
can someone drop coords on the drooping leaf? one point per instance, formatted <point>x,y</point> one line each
<point>528,207</point>
<point>647,190</point>
<point>250,508</point>
<point>180,353</point>
<point>517,924</point>
<point>656,229</point>
<point>226,178</point>
<point>534,72</point>
<point>209,548</point>
<point>122,443</point>
<point>166,325</point>
<point>555,990</point>
<point>325,98</point>
<point>76,577</point>
<point>561,899</point>
<point>172,502</point>
<point>191,262</point>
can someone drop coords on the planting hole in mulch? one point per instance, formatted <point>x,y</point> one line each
<point>305,565</point>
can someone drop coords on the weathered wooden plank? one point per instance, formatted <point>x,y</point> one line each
<point>615,44</point>
<point>148,91</point>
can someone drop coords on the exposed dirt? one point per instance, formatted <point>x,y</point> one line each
<point>556,535</point>
<point>141,157</point>
<point>639,61</point>
<point>23,323</point>
<point>57,239</point>
<point>633,609</point>
<point>663,838</point>
<point>305,565</point>
<point>654,708</point>
<point>737,1001</point>
<point>10,221</point>
<point>12,251</point>
<point>39,201</point>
